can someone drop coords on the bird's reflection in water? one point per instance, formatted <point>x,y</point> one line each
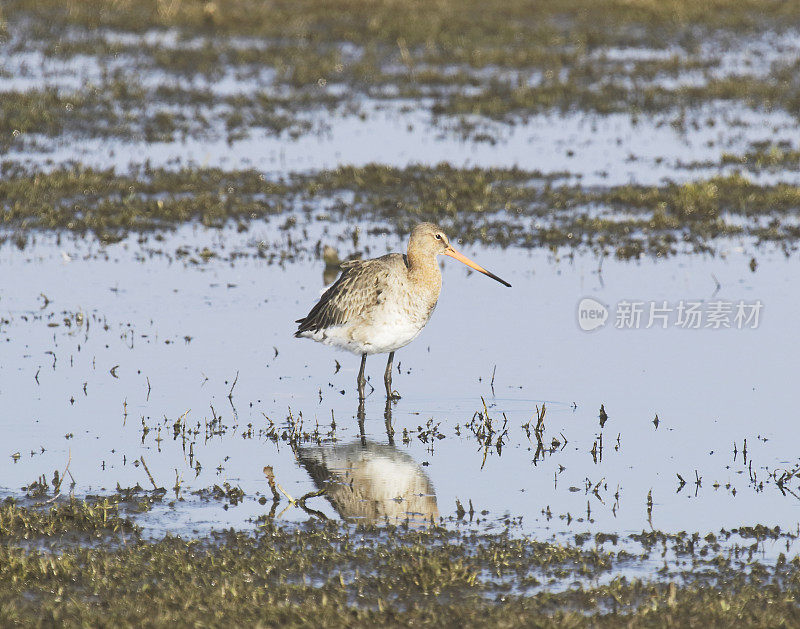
<point>371,482</point>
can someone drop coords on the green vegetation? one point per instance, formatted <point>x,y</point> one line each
<point>516,58</point>
<point>504,101</point>
<point>62,518</point>
<point>120,109</point>
<point>453,23</point>
<point>766,156</point>
<point>171,70</point>
<point>330,574</point>
<point>500,206</point>
<point>81,200</point>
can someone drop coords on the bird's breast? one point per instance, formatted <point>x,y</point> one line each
<point>395,321</point>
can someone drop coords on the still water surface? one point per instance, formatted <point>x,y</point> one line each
<point>158,339</point>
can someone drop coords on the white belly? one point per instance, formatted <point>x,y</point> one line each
<point>386,329</point>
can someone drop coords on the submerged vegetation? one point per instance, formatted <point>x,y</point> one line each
<point>499,61</point>
<point>330,574</point>
<point>500,206</point>
<point>127,110</point>
<point>441,22</point>
<point>170,71</point>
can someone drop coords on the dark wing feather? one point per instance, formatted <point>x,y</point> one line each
<point>358,288</point>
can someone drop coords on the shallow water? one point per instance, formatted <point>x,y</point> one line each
<point>161,339</point>
<point>127,362</point>
<point>595,150</point>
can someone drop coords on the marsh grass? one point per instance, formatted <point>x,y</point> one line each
<point>506,207</point>
<point>331,574</point>
<point>502,61</point>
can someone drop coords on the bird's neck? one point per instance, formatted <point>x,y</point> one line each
<point>424,270</point>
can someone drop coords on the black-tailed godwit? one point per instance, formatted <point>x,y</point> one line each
<point>380,305</point>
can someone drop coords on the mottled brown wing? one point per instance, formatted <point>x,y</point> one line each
<point>359,288</point>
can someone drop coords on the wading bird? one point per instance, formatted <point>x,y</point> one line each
<point>370,482</point>
<point>380,305</point>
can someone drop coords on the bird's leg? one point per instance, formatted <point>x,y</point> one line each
<point>361,381</point>
<point>361,416</point>
<point>387,415</point>
<point>387,378</point>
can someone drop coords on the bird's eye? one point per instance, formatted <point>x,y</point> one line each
<point>438,236</point>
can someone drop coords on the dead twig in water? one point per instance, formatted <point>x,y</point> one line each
<point>57,488</point>
<point>60,481</point>
<point>312,494</point>
<point>149,475</point>
<point>276,497</point>
<point>235,380</point>
<point>273,484</point>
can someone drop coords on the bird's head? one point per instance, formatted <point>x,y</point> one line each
<point>430,239</point>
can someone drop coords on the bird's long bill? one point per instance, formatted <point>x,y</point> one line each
<point>462,258</point>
